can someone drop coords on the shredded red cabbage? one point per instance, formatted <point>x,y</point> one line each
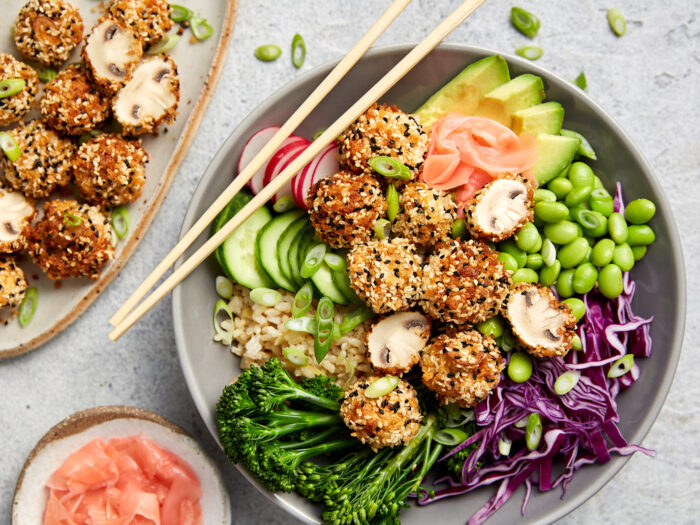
<point>579,427</point>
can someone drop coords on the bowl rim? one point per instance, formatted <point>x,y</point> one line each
<point>616,463</point>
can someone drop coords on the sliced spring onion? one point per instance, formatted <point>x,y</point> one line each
<point>324,328</point>
<point>301,324</point>
<point>113,239</point>
<point>334,261</point>
<point>525,21</point>
<point>313,260</point>
<point>11,86</point>
<point>90,135</point>
<point>265,296</point>
<point>450,436</point>
<point>521,424</point>
<point>9,146</point>
<point>392,202</point>
<point>459,229</point>
<point>507,341</point>
<point>120,221</point>
<point>382,386</point>
<point>617,21</point>
<point>298,50</point>
<point>533,431</point>
<point>302,300</point>
<point>456,416</point>
<point>28,306</point>
<point>268,52</point>
<point>549,253</point>
<point>221,309</point>
<point>179,13</point>
<point>576,343</point>
<point>70,219</point>
<point>389,167</point>
<point>566,382</point>
<point>504,445</point>
<point>354,318</point>
<point>621,366</point>
<point>581,81</point>
<point>284,203</point>
<point>530,52</point>
<point>46,74</point>
<point>382,229</point>
<point>318,133</point>
<point>164,45</point>
<point>224,287</point>
<point>295,356</point>
<point>201,28</point>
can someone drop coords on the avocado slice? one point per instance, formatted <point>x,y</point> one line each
<point>542,118</point>
<point>463,93</point>
<point>554,153</point>
<point>501,103</point>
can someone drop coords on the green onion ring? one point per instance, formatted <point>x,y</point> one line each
<point>301,324</point>
<point>382,228</point>
<point>180,13</point>
<point>354,318</point>
<point>318,133</point>
<point>581,81</point>
<point>334,261</point>
<point>392,202</point>
<point>72,220</point>
<point>450,437</point>
<point>525,21</point>
<point>265,296</point>
<point>325,328</point>
<point>11,86</point>
<point>284,203</point>
<point>382,386</point>
<point>298,50</point>
<point>201,28</point>
<point>219,308</point>
<point>46,74</point>
<point>302,300</point>
<point>120,221</point>
<point>456,416</point>
<point>530,52</point>
<point>313,260</point>
<point>295,356</point>
<point>617,21</point>
<point>621,366</point>
<point>504,445</point>
<point>389,167</point>
<point>566,382</point>
<point>28,306</point>
<point>224,287</point>
<point>164,45</point>
<point>9,146</point>
<point>89,135</point>
<point>533,431</point>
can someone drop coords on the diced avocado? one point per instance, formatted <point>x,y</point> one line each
<point>501,103</point>
<point>463,93</point>
<point>554,153</point>
<point>542,118</point>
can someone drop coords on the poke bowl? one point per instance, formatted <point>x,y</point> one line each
<point>659,276</point>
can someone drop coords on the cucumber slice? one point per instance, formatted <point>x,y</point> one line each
<point>342,282</point>
<point>284,245</point>
<point>293,254</point>
<point>232,208</point>
<point>238,257</point>
<point>266,244</point>
<point>323,281</point>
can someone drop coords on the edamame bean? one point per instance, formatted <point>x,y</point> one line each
<point>560,187</point>
<point>528,237</point>
<point>551,211</point>
<point>600,193</point>
<point>525,275</point>
<point>604,205</point>
<point>549,274</point>
<point>640,211</point>
<point>610,281</point>
<point>544,195</point>
<point>576,344</point>
<point>584,278</point>
<point>519,367</point>
<point>538,245</point>
<point>492,327</point>
<point>509,262</point>
<point>577,307</point>
<point>587,258</point>
<point>617,227</point>
<point>508,246</point>
<point>639,252</point>
<point>562,232</point>
<point>534,261</point>
<point>581,175</point>
<point>578,195</point>
<point>623,257</point>
<point>573,253</point>
<point>603,252</point>
<point>640,235</point>
<point>268,52</point>
<point>565,283</point>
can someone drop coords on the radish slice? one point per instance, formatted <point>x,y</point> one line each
<point>288,147</point>
<point>298,180</point>
<point>292,151</point>
<point>324,165</point>
<point>250,150</point>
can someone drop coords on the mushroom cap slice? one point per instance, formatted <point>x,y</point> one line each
<point>541,324</point>
<point>149,97</point>
<point>500,208</point>
<point>395,341</point>
<point>16,212</point>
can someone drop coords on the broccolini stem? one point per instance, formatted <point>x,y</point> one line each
<point>426,432</point>
<point>318,438</point>
<point>323,448</point>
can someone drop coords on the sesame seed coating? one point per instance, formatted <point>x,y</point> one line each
<point>426,215</point>
<point>385,274</point>
<point>48,30</point>
<point>16,212</point>
<point>14,107</point>
<point>44,163</point>
<point>64,249</point>
<point>149,19</point>
<point>463,282</point>
<point>344,207</point>
<point>462,368</point>
<point>386,421</point>
<point>71,104</point>
<point>110,170</point>
<point>13,285</point>
<point>383,130</point>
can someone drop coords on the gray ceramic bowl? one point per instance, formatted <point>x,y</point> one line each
<point>660,276</point>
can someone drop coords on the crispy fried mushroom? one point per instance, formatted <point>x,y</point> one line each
<point>394,342</point>
<point>16,212</point>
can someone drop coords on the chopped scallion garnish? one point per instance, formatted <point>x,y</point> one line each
<point>201,28</point>
<point>265,296</point>
<point>221,309</point>
<point>9,146</point>
<point>581,81</point>
<point>450,436</point>
<point>179,13</point>
<point>382,228</point>
<point>28,306</point>
<point>296,356</point>
<point>120,221</point>
<point>566,382</point>
<point>298,51</point>
<point>224,287</point>
<point>530,52</point>
<point>302,301</point>
<point>621,366</point>
<point>334,261</point>
<point>164,45</point>
<point>533,431</point>
<point>11,86</point>
<point>382,386</point>
<point>70,219</point>
<point>284,203</point>
<point>617,21</point>
<point>504,445</point>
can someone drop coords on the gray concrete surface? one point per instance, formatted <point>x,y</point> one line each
<point>648,80</point>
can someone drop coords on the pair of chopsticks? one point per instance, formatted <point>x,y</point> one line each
<point>131,311</point>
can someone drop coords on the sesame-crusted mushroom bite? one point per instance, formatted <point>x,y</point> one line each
<point>541,324</point>
<point>71,104</point>
<point>463,367</point>
<point>148,19</point>
<point>383,131</point>
<point>71,240</point>
<point>426,215</point>
<point>394,342</point>
<point>463,282</point>
<point>149,97</point>
<point>14,107</point>
<point>500,208</point>
<point>110,170</point>
<point>16,212</point>
<point>110,53</point>
<point>385,421</point>
<point>386,274</point>
<point>44,164</point>
<point>344,207</point>
<point>13,285</point>
<point>48,30</point>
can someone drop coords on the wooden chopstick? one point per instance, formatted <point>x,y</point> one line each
<point>338,72</point>
<point>335,129</point>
